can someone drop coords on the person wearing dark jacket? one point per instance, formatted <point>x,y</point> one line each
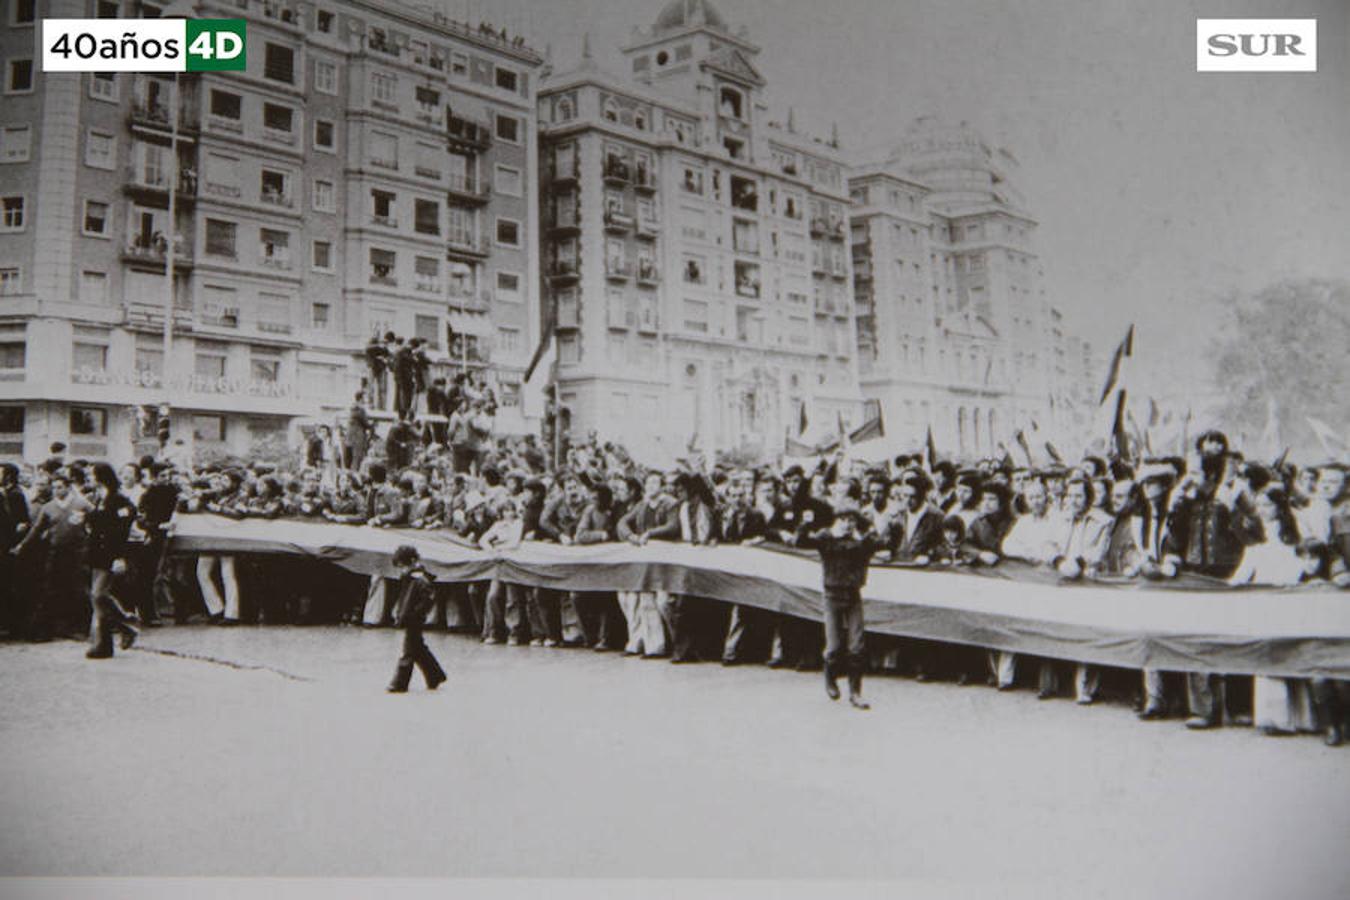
<point>416,597</point>
<point>652,517</point>
<point>405,378</point>
<point>377,362</point>
<point>156,509</point>
<point>743,524</point>
<point>797,641</point>
<point>557,523</point>
<point>14,521</point>
<point>598,613</point>
<point>108,526</point>
<point>845,551</point>
<point>58,543</point>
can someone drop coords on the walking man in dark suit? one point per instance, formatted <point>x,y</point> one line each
<point>416,596</point>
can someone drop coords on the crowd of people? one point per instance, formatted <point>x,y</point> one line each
<point>1215,515</point>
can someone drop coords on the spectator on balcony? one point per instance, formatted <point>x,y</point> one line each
<point>421,367</point>
<point>438,404</point>
<point>357,435</point>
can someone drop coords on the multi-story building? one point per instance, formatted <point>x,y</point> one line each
<point>954,330</point>
<point>694,252</point>
<point>373,169</point>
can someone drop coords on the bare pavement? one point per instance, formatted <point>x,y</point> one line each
<point>275,751</point>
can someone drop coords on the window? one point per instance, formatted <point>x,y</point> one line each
<point>508,340</point>
<point>610,110</point>
<point>508,129</point>
<point>382,207</point>
<point>108,9</point>
<point>222,175</point>
<point>428,272</point>
<point>220,238</point>
<point>323,256</point>
<point>508,232</point>
<point>459,64</point>
<point>95,218</point>
<point>324,198</point>
<point>325,74</point>
<point>226,105</point>
<point>15,143</point>
<point>13,354</point>
<point>428,100</point>
<point>207,428</point>
<point>278,118</point>
<point>23,12</point>
<point>11,425</point>
<point>320,314</point>
<point>19,76</point>
<point>274,248</point>
<point>9,281</point>
<point>731,103</point>
<point>382,266</point>
<point>274,317</point>
<point>209,361</point>
<point>383,150</point>
<point>693,270</point>
<point>89,420</point>
<point>507,181</point>
<point>508,286</point>
<point>100,150</point>
<point>507,79</point>
<point>693,181</point>
<point>428,328</point>
<point>11,213</point>
<point>325,136</point>
<point>103,86</point>
<point>149,356</point>
<point>383,87</point>
<point>279,63</point>
<point>427,217</point>
<point>275,188</point>
<point>94,287</point>
<point>695,316</point>
<point>324,21</point>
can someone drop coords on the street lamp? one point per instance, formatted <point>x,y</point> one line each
<point>179,9</point>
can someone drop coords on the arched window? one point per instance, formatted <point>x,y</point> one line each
<point>731,103</point>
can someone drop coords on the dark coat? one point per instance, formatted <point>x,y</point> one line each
<point>109,526</point>
<point>416,597</point>
<point>924,537</point>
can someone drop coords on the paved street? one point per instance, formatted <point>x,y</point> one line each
<point>276,751</point>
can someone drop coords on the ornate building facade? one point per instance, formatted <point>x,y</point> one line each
<point>374,169</point>
<point>695,254</point>
<point>954,329</point>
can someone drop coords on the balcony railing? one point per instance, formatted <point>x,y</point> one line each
<point>465,242</point>
<point>748,289</point>
<point>467,187</point>
<point>157,116</point>
<point>470,300</point>
<point>563,268</point>
<point>384,221</point>
<point>467,132</point>
<point>274,197</point>
<point>617,171</point>
<point>271,327</point>
<point>647,273</point>
<point>567,221</point>
<point>618,270</point>
<point>566,173</point>
<point>155,252</point>
<point>616,220</point>
<point>644,181</point>
<point>647,228</point>
<point>282,263</point>
<point>819,226</point>
<point>836,230</point>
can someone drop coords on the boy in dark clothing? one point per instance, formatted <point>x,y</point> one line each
<point>846,548</point>
<point>416,596</point>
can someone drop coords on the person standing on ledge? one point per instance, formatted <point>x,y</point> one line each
<point>845,548</point>
<point>416,597</point>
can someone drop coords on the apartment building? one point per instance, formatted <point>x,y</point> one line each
<point>695,252</point>
<point>374,169</point>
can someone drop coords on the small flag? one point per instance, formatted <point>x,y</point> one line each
<point>1123,352</point>
<point>802,420</point>
<point>929,451</point>
<point>1120,441</point>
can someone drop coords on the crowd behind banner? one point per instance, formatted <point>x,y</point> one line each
<point>1216,514</point>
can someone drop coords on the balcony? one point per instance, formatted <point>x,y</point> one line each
<point>151,187</point>
<point>819,226</point>
<point>862,271</point>
<point>384,221</point>
<point>567,316</point>
<point>282,14</point>
<point>430,114</point>
<point>647,275</point>
<point>566,175</point>
<point>836,230</point>
<point>566,223</point>
<point>277,262</point>
<point>469,189</point>
<point>819,264</point>
<point>152,253</point>
<point>618,270</point>
<point>427,172</point>
<point>647,320</point>
<point>564,270</point>
<point>839,270</point>
<point>617,221</point>
<point>466,134</point>
<point>154,116</point>
<point>226,317</point>
<point>648,228</point>
<point>748,288</point>
<point>270,327</point>
<point>645,181</point>
<point>824,305</point>
<point>616,172</point>
<point>469,300</point>
<point>460,242</point>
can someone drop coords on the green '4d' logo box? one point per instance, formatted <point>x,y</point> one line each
<point>216,45</point>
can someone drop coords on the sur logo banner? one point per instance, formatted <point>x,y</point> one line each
<point>143,45</point>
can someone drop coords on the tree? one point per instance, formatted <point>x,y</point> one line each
<point>1281,354</point>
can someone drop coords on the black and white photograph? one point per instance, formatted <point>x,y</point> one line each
<point>675,447</point>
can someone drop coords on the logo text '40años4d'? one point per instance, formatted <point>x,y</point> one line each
<point>1256,45</point>
<point>143,45</point>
